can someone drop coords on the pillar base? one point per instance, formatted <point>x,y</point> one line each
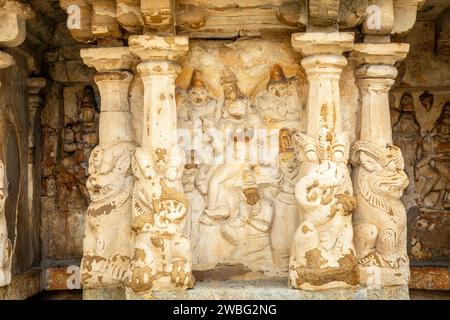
<point>272,289</point>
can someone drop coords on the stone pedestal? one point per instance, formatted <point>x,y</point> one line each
<point>380,218</point>
<point>107,247</point>
<point>322,254</point>
<point>273,289</point>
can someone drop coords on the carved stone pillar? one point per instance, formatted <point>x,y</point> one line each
<point>322,254</point>
<point>162,256</point>
<point>107,246</point>
<point>379,180</point>
<point>6,248</point>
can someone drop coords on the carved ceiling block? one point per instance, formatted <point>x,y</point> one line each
<point>157,15</point>
<point>405,13</point>
<point>323,13</point>
<point>13,15</point>
<point>379,17</point>
<point>129,15</point>
<point>104,20</point>
<point>79,19</point>
<point>211,20</point>
<point>352,12</point>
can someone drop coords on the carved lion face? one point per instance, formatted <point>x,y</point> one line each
<point>386,177</point>
<point>108,169</point>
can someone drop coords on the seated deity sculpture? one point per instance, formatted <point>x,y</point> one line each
<point>162,256</point>
<point>238,127</point>
<point>107,244</point>
<point>279,103</point>
<point>433,170</point>
<point>380,219</point>
<point>5,243</point>
<point>286,219</point>
<point>249,230</point>
<point>322,255</point>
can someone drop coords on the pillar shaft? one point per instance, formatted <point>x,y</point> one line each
<point>160,207</point>
<point>379,220</point>
<point>107,247</point>
<point>315,264</point>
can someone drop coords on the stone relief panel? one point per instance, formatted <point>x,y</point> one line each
<point>238,106</point>
<point>421,123</point>
<point>80,136</point>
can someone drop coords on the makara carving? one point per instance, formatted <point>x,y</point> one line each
<point>322,250</point>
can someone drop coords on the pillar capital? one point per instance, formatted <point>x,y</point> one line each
<point>149,47</point>
<point>379,53</point>
<point>108,59</point>
<point>318,43</point>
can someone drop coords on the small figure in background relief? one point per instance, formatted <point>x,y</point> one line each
<point>279,104</point>
<point>380,219</point>
<point>80,138</point>
<point>286,219</point>
<point>249,231</point>
<point>107,247</point>
<point>5,243</point>
<point>199,109</point>
<point>433,169</point>
<point>406,136</point>
<point>322,254</point>
<point>195,187</point>
<point>406,131</point>
<point>426,100</point>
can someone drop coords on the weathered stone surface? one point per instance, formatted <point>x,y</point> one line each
<point>62,278</point>
<point>429,278</point>
<point>430,235</point>
<point>22,286</point>
<point>71,71</point>
<point>272,290</point>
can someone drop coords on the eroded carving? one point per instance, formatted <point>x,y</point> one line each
<point>162,255</point>
<point>432,170</point>
<point>380,218</point>
<point>107,246</point>
<point>322,250</point>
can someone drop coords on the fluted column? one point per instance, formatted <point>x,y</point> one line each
<point>322,254</point>
<point>107,246</point>
<point>379,180</point>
